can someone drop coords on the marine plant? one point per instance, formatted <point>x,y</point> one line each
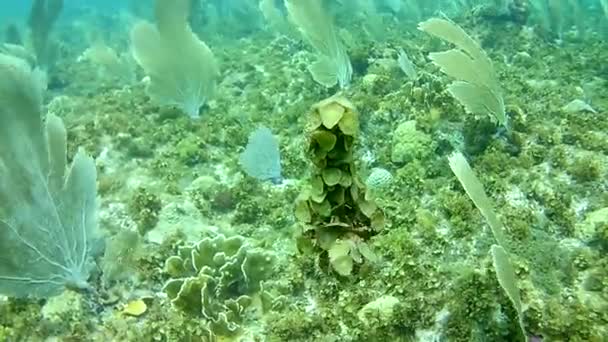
<point>476,86</point>
<point>215,279</point>
<point>316,26</point>
<point>12,35</point>
<point>42,18</point>
<point>182,69</point>
<point>554,17</point>
<point>336,213</point>
<point>273,17</point>
<point>120,255</point>
<point>48,224</point>
<point>112,66</point>
<point>500,257</point>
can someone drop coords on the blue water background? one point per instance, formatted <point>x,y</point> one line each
<point>17,10</point>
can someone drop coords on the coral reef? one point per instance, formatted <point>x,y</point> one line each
<point>432,276</point>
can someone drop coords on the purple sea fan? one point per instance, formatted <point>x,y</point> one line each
<point>261,158</point>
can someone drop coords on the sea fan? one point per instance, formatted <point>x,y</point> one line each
<point>47,215</point>
<point>261,158</point>
<point>182,68</point>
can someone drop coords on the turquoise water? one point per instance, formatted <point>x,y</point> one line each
<point>303,170</point>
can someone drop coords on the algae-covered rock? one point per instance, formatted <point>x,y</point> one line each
<point>67,304</point>
<point>122,250</point>
<point>144,208</point>
<point>410,144</point>
<point>594,221</point>
<point>379,311</point>
<point>215,279</point>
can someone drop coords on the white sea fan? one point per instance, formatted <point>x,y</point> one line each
<point>48,221</point>
<point>182,69</point>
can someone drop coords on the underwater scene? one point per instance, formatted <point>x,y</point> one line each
<point>303,170</point>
